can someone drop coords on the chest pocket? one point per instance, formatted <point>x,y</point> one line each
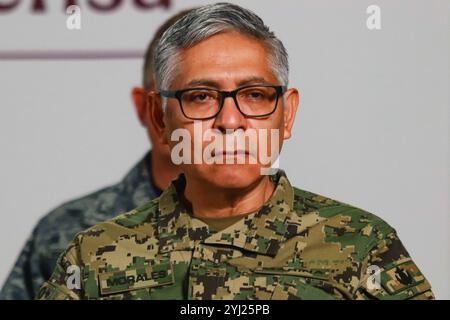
<point>295,284</point>
<point>131,283</point>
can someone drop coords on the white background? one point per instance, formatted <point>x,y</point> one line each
<point>372,128</point>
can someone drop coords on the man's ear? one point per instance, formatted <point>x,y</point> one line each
<point>290,109</point>
<point>139,99</point>
<point>155,117</point>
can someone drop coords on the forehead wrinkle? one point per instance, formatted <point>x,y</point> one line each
<point>210,82</point>
<point>206,64</point>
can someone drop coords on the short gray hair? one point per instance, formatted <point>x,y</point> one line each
<point>148,69</point>
<point>207,21</point>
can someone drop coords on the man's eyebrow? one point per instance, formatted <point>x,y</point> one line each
<point>203,82</point>
<point>253,80</point>
<point>214,84</point>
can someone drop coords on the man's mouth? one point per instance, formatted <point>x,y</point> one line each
<point>226,153</point>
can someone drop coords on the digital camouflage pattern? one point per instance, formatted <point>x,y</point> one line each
<point>299,245</point>
<point>54,232</point>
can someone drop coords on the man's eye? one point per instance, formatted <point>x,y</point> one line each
<point>200,97</point>
<point>254,95</point>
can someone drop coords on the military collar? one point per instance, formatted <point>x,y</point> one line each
<point>261,232</point>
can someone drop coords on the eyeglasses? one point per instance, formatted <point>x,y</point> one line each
<point>254,101</point>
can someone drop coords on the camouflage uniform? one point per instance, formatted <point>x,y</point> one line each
<point>299,245</point>
<point>53,233</point>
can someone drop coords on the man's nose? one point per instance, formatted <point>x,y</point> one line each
<point>230,117</point>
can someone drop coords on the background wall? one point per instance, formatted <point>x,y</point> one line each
<point>372,128</point>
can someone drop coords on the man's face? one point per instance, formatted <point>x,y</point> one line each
<point>226,62</point>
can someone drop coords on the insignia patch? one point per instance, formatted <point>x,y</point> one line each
<point>401,277</point>
<point>136,278</point>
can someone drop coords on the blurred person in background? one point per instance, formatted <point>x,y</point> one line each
<point>56,229</point>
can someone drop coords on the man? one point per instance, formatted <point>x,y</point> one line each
<point>223,230</point>
<point>54,231</point>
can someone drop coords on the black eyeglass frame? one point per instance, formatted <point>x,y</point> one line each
<point>280,90</point>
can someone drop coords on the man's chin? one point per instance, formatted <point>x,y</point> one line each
<point>233,176</point>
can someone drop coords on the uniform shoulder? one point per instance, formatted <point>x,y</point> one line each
<point>117,239</point>
<point>350,216</point>
<point>353,229</point>
<point>144,214</point>
<point>137,221</point>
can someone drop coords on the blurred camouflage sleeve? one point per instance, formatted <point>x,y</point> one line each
<point>65,282</point>
<point>28,273</point>
<point>391,274</point>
